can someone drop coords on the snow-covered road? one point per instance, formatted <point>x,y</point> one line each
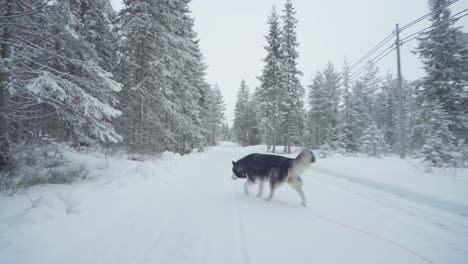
<point>188,210</point>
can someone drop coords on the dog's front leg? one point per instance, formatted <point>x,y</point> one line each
<point>261,185</point>
<point>246,187</point>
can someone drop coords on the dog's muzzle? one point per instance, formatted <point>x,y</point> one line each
<point>234,177</point>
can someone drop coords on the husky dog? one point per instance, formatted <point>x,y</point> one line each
<point>273,168</point>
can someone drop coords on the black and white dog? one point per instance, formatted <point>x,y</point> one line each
<point>273,168</point>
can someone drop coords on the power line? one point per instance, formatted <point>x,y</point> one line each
<point>426,15</point>
<point>369,66</point>
<point>390,36</point>
<point>376,59</point>
<point>416,34</point>
<point>372,51</point>
<point>387,51</point>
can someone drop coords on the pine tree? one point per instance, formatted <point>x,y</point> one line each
<point>145,99</point>
<point>271,93</point>
<point>441,147</point>
<point>57,73</point>
<point>331,85</point>
<point>318,118</point>
<point>294,105</point>
<point>5,80</point>
<point>241,114</point>
<point>165,95</point>
<point>364,100</point>
<point>372,142</point>
<point>346,137</point>
<point>216,116</point>
<point>386,111</point>
<point>414,119</point>
<point>442,92</point>
<point>444,54</point>
<point>95,24</point>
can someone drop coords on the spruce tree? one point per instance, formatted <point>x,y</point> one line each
<point>216,115</point>
<point>386,110</point>
<point>442,93</point>
<point>372,141</point>
<point>317,117</point>
<point>241,124</point>
<point>146,96</point>
<point>444,54</point>
<point>57,73</point>
<point>441,148</point>
<point>294,107</point>
<point>331,85</point>
<point>271,93</point>
<point>346,137</point>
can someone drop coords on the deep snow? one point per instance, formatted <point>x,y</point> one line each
<point>186,209</point>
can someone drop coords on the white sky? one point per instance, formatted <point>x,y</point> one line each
<point>232,36</point>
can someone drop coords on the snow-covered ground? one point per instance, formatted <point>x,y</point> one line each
<point>186,209</point>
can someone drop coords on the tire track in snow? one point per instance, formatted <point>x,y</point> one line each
<point>427,200</point>
<point>399,203</point>
<point>240,229</point>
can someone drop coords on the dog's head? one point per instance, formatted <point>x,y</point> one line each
<point>237,171</point>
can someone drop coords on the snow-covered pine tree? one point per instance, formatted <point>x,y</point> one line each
<point>414,118</point>
<point>331,85</point>
<point>271,93</point>
<point>441,147</point>
<point>57,89</point>
<point>225,133</point>
<point>96,18</point>
<point>252,122</point>
<point>163,74</point>
<point>241,112</point>
<point>145,98</point>
<point>386,112</point>
<point>372,142</point>
<point>346,137</point>
<point>364,100</point>
<point>370,82</point>
<point>216,116</point>
<point>317,116</point>
<point>294,107</point>
<point>6,56</point>
<point>444,54</point>
<point>186,84</point>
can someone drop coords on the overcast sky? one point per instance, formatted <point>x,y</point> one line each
<point>231,34</point>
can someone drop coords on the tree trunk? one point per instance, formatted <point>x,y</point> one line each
<point>5,55</point>
<point>274,142</point>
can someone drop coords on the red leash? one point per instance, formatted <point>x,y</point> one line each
<point>378,237</point>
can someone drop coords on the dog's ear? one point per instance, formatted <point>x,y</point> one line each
<point>233,163</point>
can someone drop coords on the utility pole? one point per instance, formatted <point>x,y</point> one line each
<point>401,131</point>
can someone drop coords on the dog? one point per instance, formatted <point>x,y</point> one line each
<point>273,168</point>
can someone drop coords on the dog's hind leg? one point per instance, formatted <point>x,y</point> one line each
<point>272,190</point>
<point>296,184</point>
<point>274,176</point>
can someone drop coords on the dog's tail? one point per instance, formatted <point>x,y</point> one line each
<point>306,156</point>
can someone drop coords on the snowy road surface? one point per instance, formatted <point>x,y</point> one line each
<point>188,210</point>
